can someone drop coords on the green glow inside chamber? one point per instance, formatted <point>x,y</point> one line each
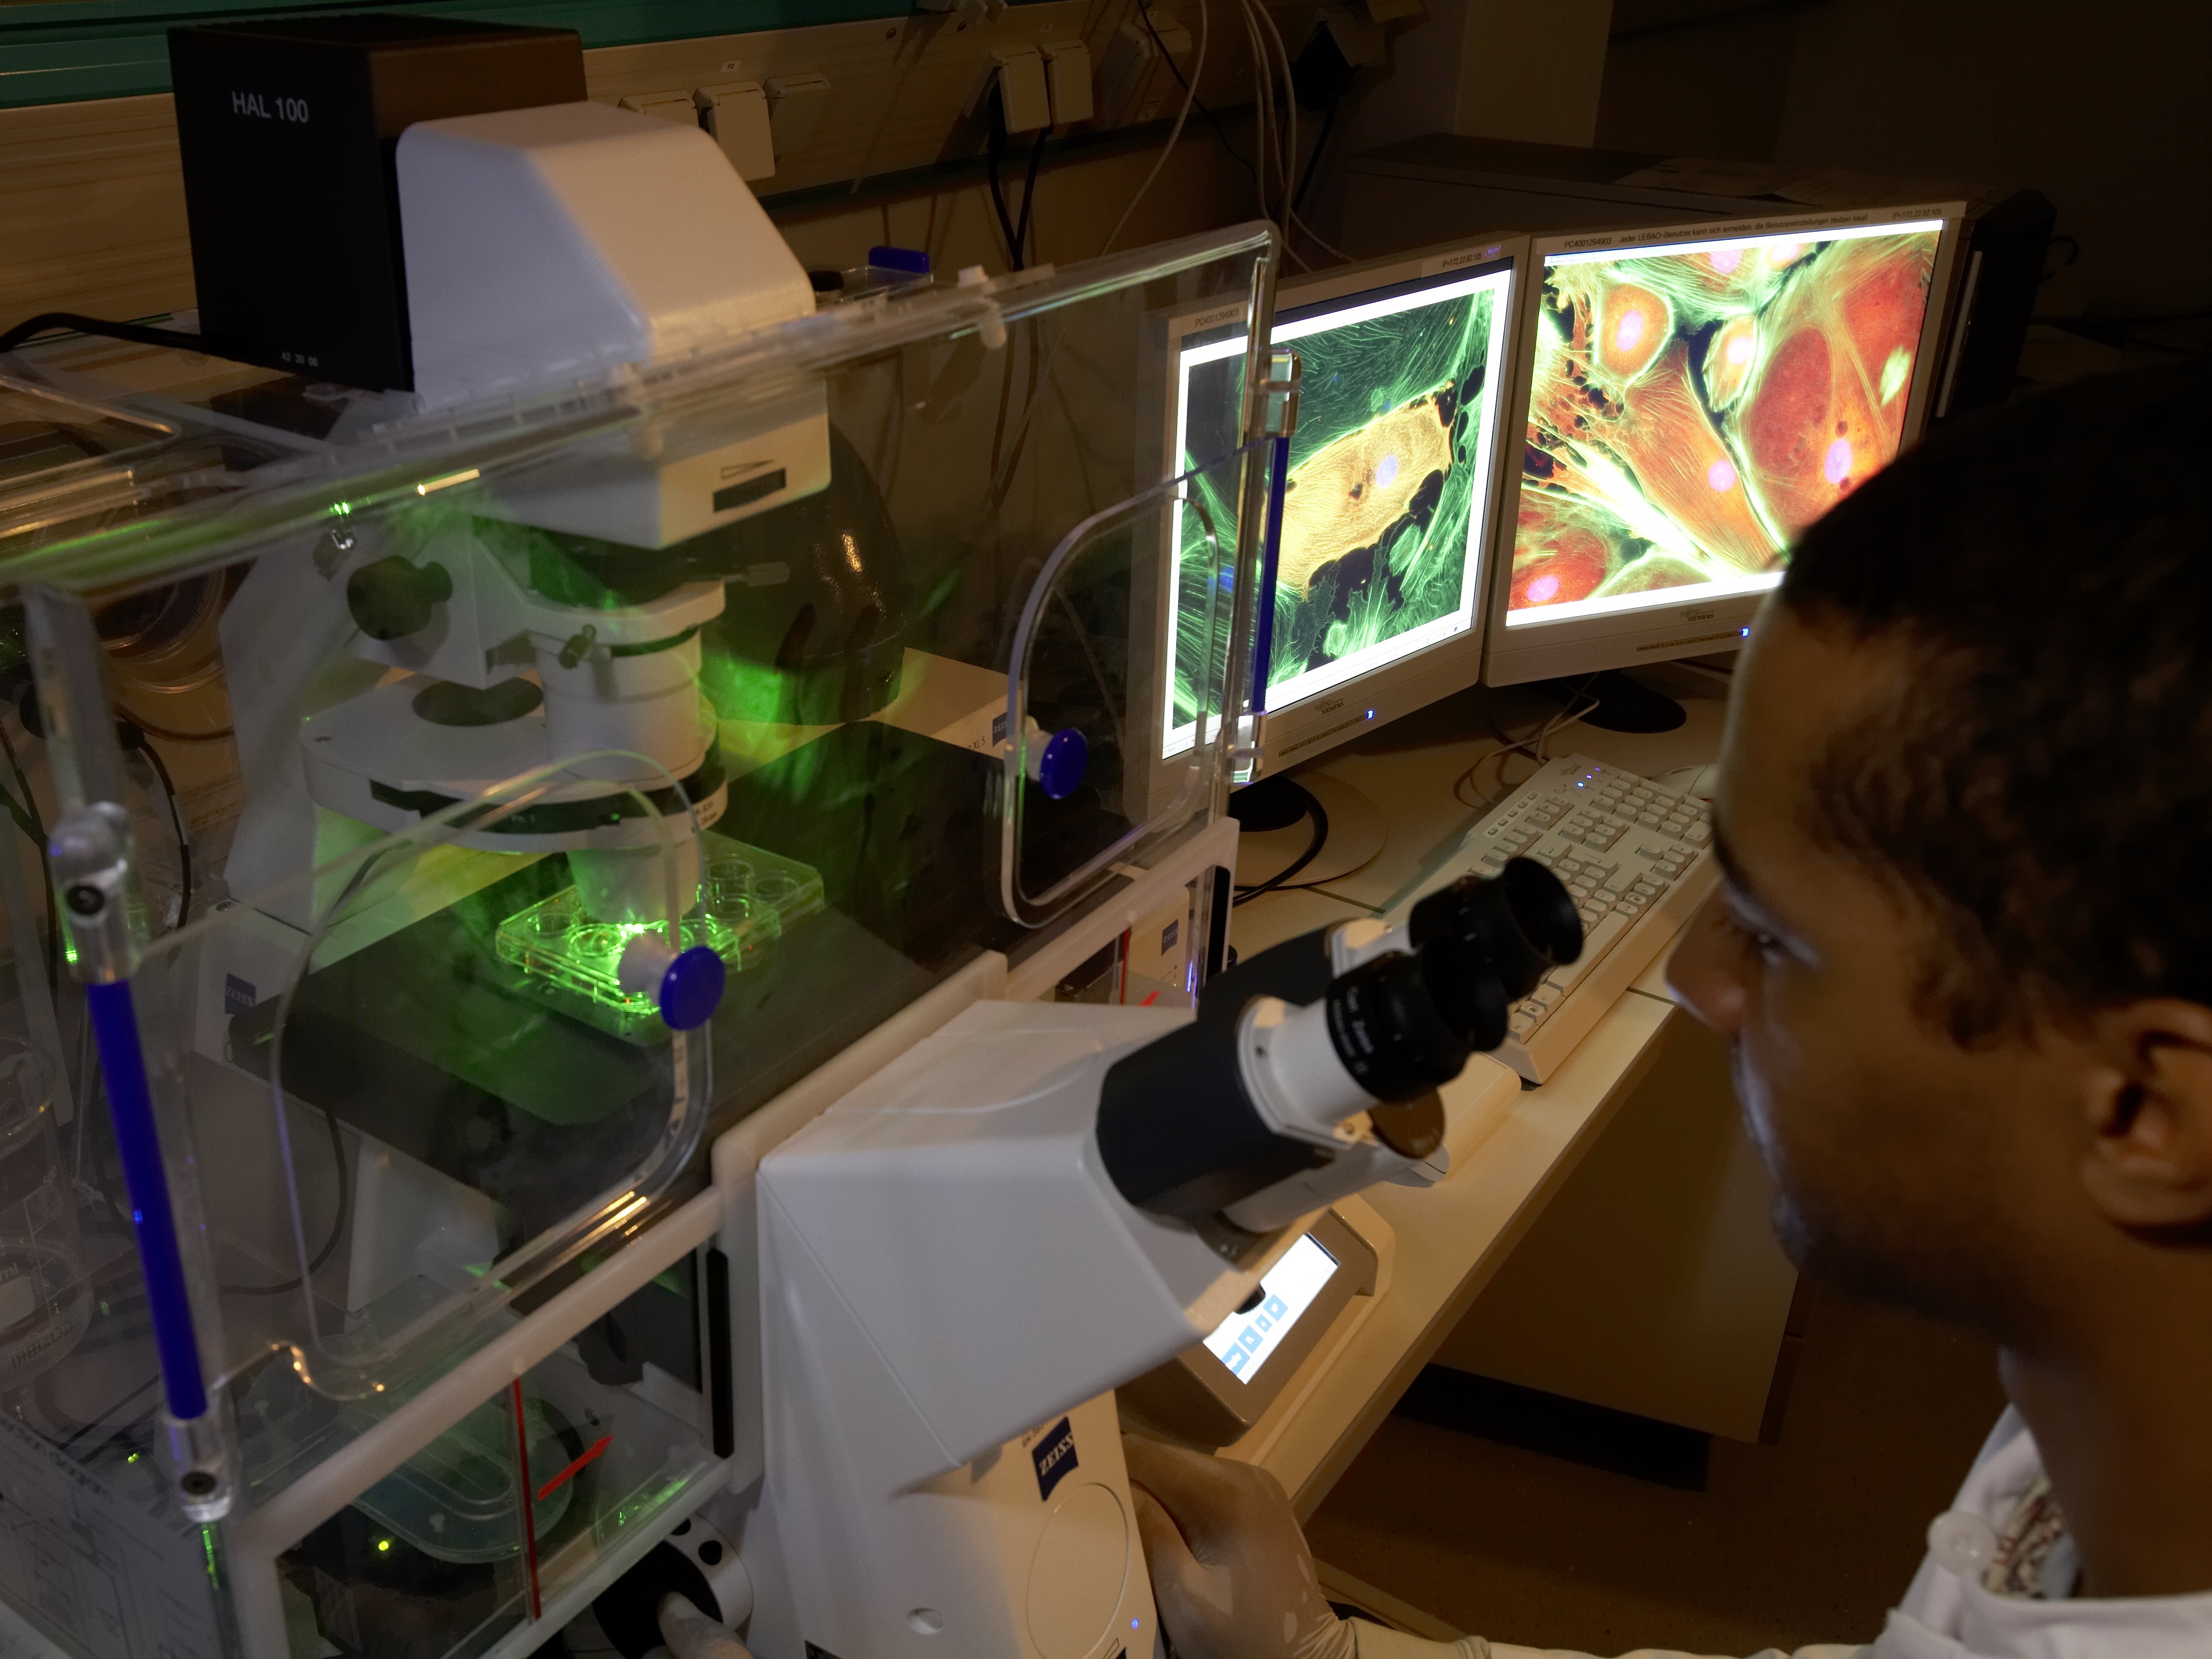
<point>747,897</point>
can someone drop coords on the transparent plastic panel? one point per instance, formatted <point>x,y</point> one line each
<point>389,1123</point>
<point>1119,672</point>
<point>459,1551</point>
<point>101,1562</point>
<point>441,735</point>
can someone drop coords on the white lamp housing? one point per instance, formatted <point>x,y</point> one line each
<point>563,240</point>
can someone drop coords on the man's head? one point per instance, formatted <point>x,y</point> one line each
<point>1964,954</point>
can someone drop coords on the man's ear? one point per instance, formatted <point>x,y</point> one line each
<point>2147,1094</point>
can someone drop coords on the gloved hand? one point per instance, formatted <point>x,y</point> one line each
<point>1231,1571</point>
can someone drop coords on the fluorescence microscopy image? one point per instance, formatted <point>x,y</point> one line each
<point>1691,410</point>
<point>1383,504</point>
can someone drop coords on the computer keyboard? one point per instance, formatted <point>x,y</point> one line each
<point>1637,860</point>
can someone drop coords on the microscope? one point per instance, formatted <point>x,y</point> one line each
<point>961,1260</point>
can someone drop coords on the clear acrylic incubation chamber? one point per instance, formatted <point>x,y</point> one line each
<point>430,831</point>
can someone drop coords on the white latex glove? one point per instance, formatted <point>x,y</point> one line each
<point>1231,1571</point>
<point>691,1634</point>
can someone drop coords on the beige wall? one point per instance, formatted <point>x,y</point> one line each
<point>1077,205</point>
<point>1491,68</point>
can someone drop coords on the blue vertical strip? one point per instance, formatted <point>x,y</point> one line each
<point>130,1105</point>
<point>1263,642</point>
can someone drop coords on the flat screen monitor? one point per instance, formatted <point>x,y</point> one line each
<point>1381,565</point>
<point>1692,399</point>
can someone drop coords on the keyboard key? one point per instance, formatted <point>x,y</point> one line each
<point>1521,1025</point>
<point>1547,996</point>
<point>1698,834</point>
<point>1649,890</point>
<point>1595,942</point>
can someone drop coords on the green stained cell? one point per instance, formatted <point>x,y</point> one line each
<point>1895,373</point>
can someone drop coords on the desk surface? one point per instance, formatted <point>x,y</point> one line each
<point>1449,1239</point>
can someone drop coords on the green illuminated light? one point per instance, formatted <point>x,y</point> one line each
<point>384,1546</point>
<point>745,900</point>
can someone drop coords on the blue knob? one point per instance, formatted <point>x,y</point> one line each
<point>1062,766</point>
<point>691,989</point>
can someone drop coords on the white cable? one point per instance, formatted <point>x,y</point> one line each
<point>1189,97</point>
<point>1268,125</point>
<point>1293,216</point>
<point>1259,115</point>
<point>1290,211</point>
<point>1290,162</point>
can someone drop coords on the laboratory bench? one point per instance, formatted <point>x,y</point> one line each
<point>1605,1237</point>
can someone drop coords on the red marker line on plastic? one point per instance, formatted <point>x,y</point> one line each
<point>529,1511</point>
<point>570,1473</point>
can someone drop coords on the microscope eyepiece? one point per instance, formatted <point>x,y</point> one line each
<point>1520,924</point>
<point>1404,1023</point>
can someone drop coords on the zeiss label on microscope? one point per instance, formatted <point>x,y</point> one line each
<point>1054,1456</point>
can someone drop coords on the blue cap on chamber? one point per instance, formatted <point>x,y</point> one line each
<point>1061,768</point>
<point>691,989</point>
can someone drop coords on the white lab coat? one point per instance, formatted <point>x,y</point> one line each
<point>1944,1616</point>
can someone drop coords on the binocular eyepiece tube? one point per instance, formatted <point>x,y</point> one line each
<point>1221,1109</point>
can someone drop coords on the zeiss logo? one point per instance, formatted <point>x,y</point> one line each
<point>1053,1455</point>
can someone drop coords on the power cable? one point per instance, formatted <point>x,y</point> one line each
<point>1190,96</point>
<point>1319,814</point>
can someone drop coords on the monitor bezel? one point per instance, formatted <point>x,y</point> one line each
<point>1696,626</point>
<point>1281,738</point>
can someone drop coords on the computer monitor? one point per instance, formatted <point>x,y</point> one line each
<point>1693,398</point>
<point>1375,607</point>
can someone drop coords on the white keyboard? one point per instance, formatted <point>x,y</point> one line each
<point>1637,860</point>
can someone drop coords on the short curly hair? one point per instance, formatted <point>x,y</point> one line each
<point>2042,780</point>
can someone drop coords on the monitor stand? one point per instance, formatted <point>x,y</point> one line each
<point>1275,828</point>
<point>1622,704</point>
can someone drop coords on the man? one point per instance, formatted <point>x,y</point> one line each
<point>1963,956</point>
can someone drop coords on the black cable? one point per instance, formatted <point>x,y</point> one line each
<point>38,837</point>
<point>337,1224</point>
<point>184,841</point>
<point>1221,133</point>
<point>1029,197</point>
<point>1313,161</point>
<point>994,148</point>
<point>1319,817</point>
<point>47,322</point>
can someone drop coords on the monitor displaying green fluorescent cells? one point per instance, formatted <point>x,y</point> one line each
<point>1379,569</point>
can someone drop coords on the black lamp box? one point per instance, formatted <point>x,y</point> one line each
<point>288,131</point>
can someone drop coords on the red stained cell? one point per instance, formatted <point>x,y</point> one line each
<point>1554,561</point>
<point>1633,324</point>
<point>1782,428</point>
<point>1730,358</point>
<point>1829,409</point>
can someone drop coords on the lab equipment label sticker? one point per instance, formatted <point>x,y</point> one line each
<point>1054,1456</point>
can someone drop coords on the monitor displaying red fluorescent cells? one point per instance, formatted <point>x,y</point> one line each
<point>1693,406</point>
